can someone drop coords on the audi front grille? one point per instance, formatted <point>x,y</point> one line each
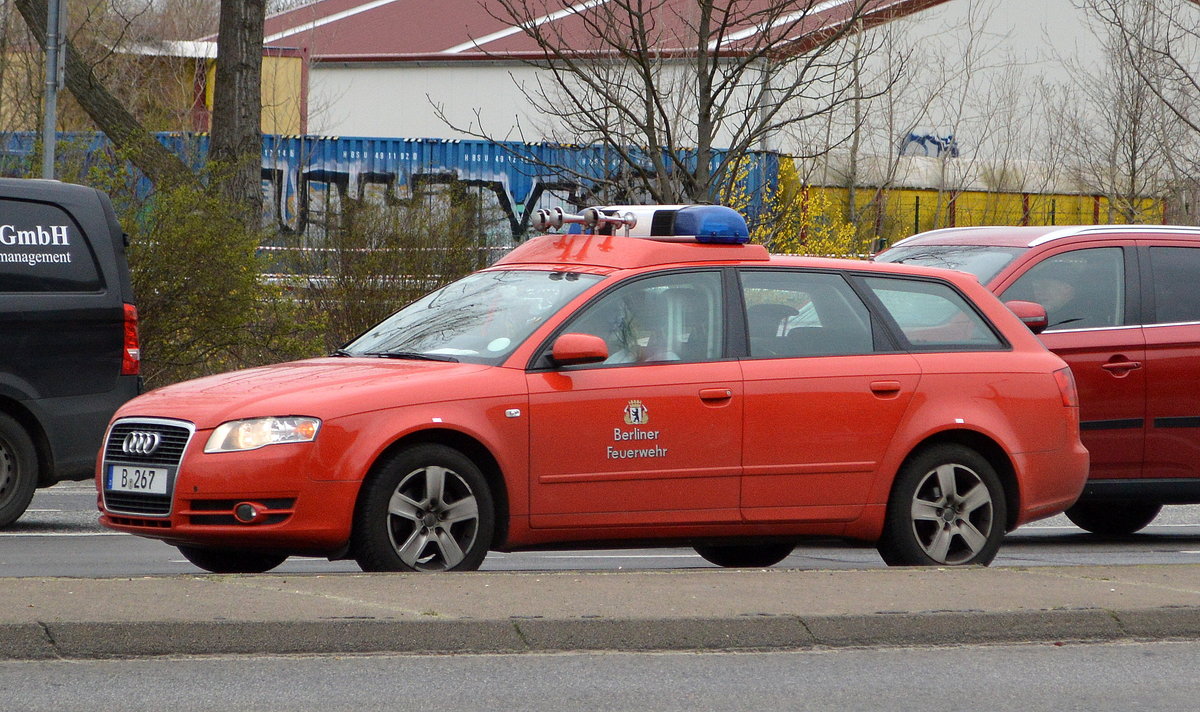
<point>143,445</point>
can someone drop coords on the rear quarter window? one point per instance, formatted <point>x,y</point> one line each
<point>43,250</point>
<point>933,316</point>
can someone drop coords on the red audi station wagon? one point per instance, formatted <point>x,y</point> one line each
<point>650,379</point>
<point>1123,304</point>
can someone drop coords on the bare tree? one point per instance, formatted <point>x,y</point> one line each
<point>1118,132</point>
<point>112,117</point>
<point>678,92</point>
<point>1159,43</point>
<point>955,80</point>
<point>237,101</point>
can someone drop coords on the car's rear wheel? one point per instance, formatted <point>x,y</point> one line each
<point>429,508</point>
<point>18,470</point>
<point>1111,518</point>
<point>231,561</point>
<point>745,555</point>
<point>947,508</point>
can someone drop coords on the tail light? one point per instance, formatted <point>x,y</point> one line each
<point>1066,387</point>
<point>131,352</point>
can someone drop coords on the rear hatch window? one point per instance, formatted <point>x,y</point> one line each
<point>983,261</point>
<point>43,250</point>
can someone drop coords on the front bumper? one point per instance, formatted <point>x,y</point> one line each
<point>298,508</point>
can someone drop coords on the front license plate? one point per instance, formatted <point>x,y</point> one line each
<point>148,480</point>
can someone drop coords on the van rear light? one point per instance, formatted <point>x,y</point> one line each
<point>1066,386</point>
<point>131,352</point>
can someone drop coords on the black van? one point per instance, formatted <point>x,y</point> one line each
<point>68,334</point>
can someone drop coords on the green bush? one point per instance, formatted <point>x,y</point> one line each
<point>203,305</point>
<point>211,299</point>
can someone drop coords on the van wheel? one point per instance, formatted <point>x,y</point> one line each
<point>18,470</point>
<point>231,561</point>
<point>734,556</point>
<point>947,508</point>
<point>1110,518</point>
<point>429,508</point>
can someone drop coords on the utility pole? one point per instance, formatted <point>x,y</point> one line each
<point>56,39</point>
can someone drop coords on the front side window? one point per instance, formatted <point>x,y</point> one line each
<point>479,319</point>
<point>1176,284</point>
<point>932,315</point>
<point>1080,289</point>
<point>674,317</point>
<point>792,313</point>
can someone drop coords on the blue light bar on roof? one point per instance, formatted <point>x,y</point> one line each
<point>712,223</point>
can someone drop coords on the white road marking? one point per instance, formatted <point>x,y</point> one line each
<point>60,534</point>
<point>619,556</point>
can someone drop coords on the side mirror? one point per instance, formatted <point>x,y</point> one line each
<point>575,349</point>
<point>1031,313</point>
<point>878,245</point>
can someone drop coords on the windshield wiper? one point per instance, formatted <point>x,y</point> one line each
<point>341,352</point>
<point>411,355</point>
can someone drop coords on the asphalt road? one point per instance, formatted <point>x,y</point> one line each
<point>59,536</point>
<point>1062,678</point>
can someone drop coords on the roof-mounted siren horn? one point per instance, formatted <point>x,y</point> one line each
<point>596,220</point>
<point>550,219</point>
<point>592,219</point>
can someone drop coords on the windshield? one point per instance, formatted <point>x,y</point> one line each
<point>983,261</point>
<point>479,319</point>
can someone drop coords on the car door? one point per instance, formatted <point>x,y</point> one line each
<point>823,396</point>
<point>1171,289</point>
<point>1092,309</point>
<point>653,434</point>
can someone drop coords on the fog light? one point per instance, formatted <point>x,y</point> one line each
<point>247,512</point>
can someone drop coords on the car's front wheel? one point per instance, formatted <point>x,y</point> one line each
<point>745,555</point>
<point>1110,518</point>
<point>18,470</point>
<point>429,508</point>
<point>231,561</point>
<point>947,508</point>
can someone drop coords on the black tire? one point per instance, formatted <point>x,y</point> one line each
<point>1111,518</point>
<point>428,508</point>
<point>928,526</point>
<point>741,556</point>
<point>231,561</point>
<point>18,470</point>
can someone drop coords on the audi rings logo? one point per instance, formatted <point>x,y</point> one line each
<point>140,442</point>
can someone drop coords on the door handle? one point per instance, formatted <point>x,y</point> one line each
<point>716,394</point>
<point>1121,368</point>
<point>885,389</point>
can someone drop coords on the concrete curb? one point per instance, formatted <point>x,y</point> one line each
<point>69,640</point>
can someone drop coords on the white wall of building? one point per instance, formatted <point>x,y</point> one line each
<point>397,100</point>
<point>1022,41</point>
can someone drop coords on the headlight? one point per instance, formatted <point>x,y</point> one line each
<point>238,435</point>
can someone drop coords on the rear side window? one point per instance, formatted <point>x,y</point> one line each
<point>933,316</point>
<point>1081,289</point>
<point>804,314</point>
<point>43,250</point>
<point>1176,284</point>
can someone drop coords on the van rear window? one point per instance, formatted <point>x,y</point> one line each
<point>43,250</point>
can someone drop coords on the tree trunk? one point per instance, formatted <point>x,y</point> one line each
<point>237,103</point>
<point>162,167</point>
